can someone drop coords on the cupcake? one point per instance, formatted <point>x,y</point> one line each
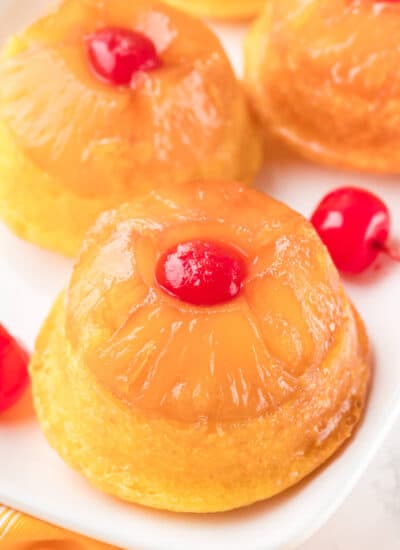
<point>204,355</point>
<point>103,100</point>
<point>324,78</point>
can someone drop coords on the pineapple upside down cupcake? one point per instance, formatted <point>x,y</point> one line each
<point>224,9</point>
<point>104,99</point>
<point>324,77</point>
<point>204,355</point>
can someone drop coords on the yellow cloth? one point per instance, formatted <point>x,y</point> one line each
<point>21,532</point>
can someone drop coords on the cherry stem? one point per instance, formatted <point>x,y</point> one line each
<point>393,253</point>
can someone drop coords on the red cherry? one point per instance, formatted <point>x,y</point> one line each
<point>354,225</point>
<point>116,54</point>
<point>13,370</point>
<point>201,273</point>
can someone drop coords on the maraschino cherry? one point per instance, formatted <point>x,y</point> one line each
<point>354,225</point>
<point>13,370</point>
<point>116,54</point>
<point>202,273</point>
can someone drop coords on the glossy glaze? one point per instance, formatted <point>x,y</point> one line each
<point>324,76</point>
<point>228,362</point>
<point>186,121</point>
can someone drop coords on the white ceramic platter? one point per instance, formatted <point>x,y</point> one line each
<point>33,479</point>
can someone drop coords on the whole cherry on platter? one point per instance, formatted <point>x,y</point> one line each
<point>354,225</point>
<point>14,376</point>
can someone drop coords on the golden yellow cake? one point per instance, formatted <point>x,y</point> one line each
<point>222,9</point>
<point>204,355</point>
<point>74,143</point>
<point>324,77</point>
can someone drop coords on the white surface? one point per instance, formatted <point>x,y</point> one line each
<point>33,478</point>
<point>370,517</point>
